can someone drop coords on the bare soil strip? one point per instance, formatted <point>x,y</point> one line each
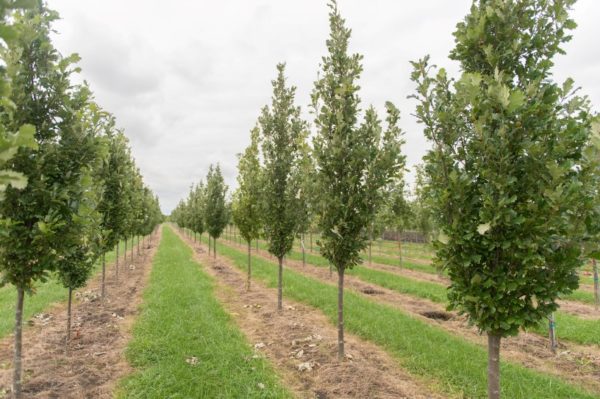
<point>577,364</point>
<point>302,343</point>
<point>101,330</point>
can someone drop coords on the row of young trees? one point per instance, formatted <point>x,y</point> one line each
<point>511,180</point>
<point>205,208</point>
<point>70,190</point>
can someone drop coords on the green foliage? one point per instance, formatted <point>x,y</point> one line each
<point>246,209</point>
<point>354,162</point>
<point>283,134</point>
<point>507,164</point>
<point>215,209</point>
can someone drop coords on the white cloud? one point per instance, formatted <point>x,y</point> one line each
<point>187,79</point>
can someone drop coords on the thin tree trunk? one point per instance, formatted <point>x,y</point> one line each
<point>125,253</point>
<point>552,333</point>
<point>493,366</point>
<point>303,251</point>
<point>400,248</point>
<point>330,270</point>
<point>249,264</point>
<point>18,365</point>
<point>341,313</point>
<point>596,284</point>
<point>103,274</point>
<point>310,238</point>
<point>70,301</point>
<point>208,244</point>
<point>280,285</point>
<point>138,245</point>
<point>370,243</point>
<point>117,263</point>
<point>132,251</point>
<point>214,247</point>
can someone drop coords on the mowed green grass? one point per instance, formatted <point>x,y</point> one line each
<point>450,362</point>
<point>181,319</point>
<point>46,294</point>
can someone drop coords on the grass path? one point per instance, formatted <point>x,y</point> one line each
<point>181,321</point>
<point>420,348</point>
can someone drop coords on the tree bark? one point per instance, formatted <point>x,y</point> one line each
<point>303,251</point>
<point>117,263</point>
<point>341,313</point>
<point>132,251</point>
<point>400,248</point>
<point>70,302</point>
<point>280,284</point>
<point>552,333</point>
<point>249,264</point>
<point>493,366</point>
<point>214,247</point>
<point>370,243</point>
<point>596,284</point>
<point>103,274</point>
<point>18,365</point>
<point>125,253</point>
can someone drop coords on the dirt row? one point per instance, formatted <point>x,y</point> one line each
<point>302,343</point>
<point>94,361</point>
<point>578,364</point>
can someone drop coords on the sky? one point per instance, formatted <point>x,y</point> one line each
<point>186,79</point>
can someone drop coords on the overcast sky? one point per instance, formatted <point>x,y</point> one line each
<point>186,79</point>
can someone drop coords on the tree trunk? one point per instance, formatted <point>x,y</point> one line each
<point>493,366</point>
<point>400,248</point>
<point>552,333</point>
<point>596,284</point>
<point>208,244</point>
<point>125,253</point>
<point>18,344</point>
<point>280,285</point>
<point>103,274</point>
<point>310,237</point>
<point>249,264</point>
<point>330,270</point>
<point>138,245</point>
<point>340,313</point>
<point>370,243</point>
<point>117,263</point>
<point>132,251</point>
<point>69,303</point>
<point>214,247</point>
<point>303,251</point>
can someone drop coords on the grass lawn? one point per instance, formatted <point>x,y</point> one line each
<point>181,319</point>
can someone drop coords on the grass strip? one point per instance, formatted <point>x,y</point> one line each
<point>457,365</point>
<point>181,319</point>
<point>46,294</point>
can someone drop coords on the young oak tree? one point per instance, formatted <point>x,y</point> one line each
<point>354,162</point>
<point>215,207</point>
<point>506,167</point>
<point>41,97</point>
<point>283,132</point>
<point>246,199</point>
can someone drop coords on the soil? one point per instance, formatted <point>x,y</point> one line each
<point>577,364</point>
<point>302,338</point>
<point>101,329</point>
